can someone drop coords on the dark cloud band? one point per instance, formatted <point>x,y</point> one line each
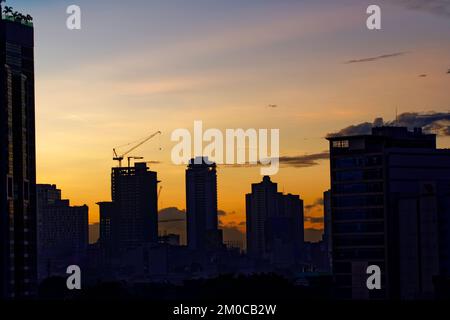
<point>433,122</point>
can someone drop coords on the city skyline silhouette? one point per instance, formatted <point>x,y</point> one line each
<point>202,66</point>
<point>364,141</point>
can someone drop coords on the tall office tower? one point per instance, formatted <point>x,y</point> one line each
<point>131,219</point>
<point>274,224</point>
<point>201,205</point>
<point>17,160</point>
<point>63,232</point>
<point>389,207</point>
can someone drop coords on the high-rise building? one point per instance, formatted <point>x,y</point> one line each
<point>63,232</point>
<point>131,218</point>
<point>17,159</point>
<point>389,192</point>
<point>201,205</point>
<point>274,224</point>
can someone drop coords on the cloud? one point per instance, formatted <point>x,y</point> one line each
<point>353,130</point>
<point>314,219</point>
<point>371,59</point>
<point>313,215</point>
<point>318,202</point>
<point>437,7</point>
<point>432,122</point>
<point>301,161</point>
<point>224,213</point>
<point>171,213</point>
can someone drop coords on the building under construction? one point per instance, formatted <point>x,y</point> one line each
<point>131,218</point>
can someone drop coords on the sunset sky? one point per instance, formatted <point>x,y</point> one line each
<point>141,66</point>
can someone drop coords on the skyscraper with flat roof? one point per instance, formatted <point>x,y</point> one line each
<point>275,228</point>
<point>17,159</point>
<point>201,204</point>
<point>388,196</point>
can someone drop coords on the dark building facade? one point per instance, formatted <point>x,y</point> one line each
<point>108,233</point>
<point>275,229</point>
<point>17,160</point>
<point>389,192</point>
<point>326,238</point>
<point>201,205</point>
<point>63,232</point>
<point>131,218</point>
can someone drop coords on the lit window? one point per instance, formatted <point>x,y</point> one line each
<point>340,144</point>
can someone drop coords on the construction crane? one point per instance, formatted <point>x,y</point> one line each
<point>140,143</point>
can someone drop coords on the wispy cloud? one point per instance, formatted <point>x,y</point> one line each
<point>314,219</point>
<point>353,130</point>
<point>313,215</point>
<point>318,202</point>
<point>301,161</point>
<point>437,7</point>
<point>376,58</point>
<point>431,122</point>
